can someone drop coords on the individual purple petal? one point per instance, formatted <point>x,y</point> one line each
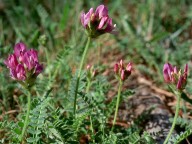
<point>101,11</point>
<point>11,61</point>
<point>13,74</point>
<point>183,79</point>
<point>110,27</point>
<point>86,18</point>
<point>20,71</point>
<point>19,48</point>
<point>167,72</point>
<point>180,83</point>
<point>166,76</point>
<point>175,70</point>
<point>102,22</point>
<point>27,61</point>
<point>185,74</point>
<point>33,55</point>
<point>88,67</point>
<point>122,74</point>
<point>38,69</point>
<point>116,68</point>
<point>121,63</point>
<point>186,69</point>
<point>129,67</point>
<point>82,19</point>
<point>30,58</point>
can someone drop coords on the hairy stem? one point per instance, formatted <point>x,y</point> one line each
<point>27,115</point>
<point>117,103</point>
<point>79,74</point>
<point>175,118</point>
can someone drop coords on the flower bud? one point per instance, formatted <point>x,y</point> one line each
<point>121,64</point>
<point>123,75</point>
<point>129,67</point>
<point>116,68</point>
<point>94,73</point>
<point>88,67</point>
<point>91,72</point>
<point>42,40</point>
<point>121,71</point>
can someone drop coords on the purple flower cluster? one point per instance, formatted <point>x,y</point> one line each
<point>172,75</point>
<point>122,71</point>
<point>98,22</point>
<point>23,64</point>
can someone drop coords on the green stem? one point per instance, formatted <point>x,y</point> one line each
<point>91,126</point>
<point>88,85</point>
<point>27,115</point>
<point>84,54</point>
<point>175,117</point>
<point>91,123</point>
<point>79,73</point>
<point>117,103</point>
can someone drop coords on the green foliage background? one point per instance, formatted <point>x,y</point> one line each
<point>150,33</point>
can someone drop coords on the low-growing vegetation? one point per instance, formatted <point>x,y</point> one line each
<point>106,72</point>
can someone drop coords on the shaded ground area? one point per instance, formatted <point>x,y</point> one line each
<point>151,107</point>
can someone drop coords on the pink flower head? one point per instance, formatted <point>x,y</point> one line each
<point>98,22</point>
<point>122,71</point>
<point>172,75</point>
<point>23,64</point>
